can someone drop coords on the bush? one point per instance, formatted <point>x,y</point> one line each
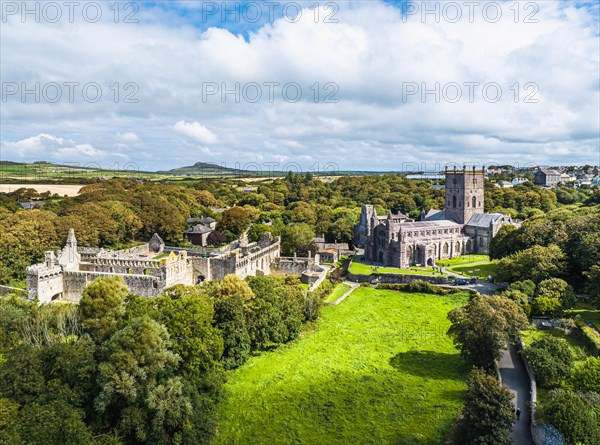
<point>425,287</point>
<point>551,359</point>
<point>587,376</point>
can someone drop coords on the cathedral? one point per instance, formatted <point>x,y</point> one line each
<point>461,228</point>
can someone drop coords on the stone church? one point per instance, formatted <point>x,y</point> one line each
<point>461,228</point>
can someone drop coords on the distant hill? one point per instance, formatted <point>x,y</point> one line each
<point>204,169</point>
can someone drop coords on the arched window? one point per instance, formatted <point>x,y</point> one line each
<point>454,201</point>
<point>457,250</point>
<point>474,201</point>
<point>445,248</point>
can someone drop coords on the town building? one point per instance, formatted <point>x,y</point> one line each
<point>545,177</point>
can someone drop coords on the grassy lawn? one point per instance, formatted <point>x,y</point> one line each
<point>463,259</point>
<point>339,290</point>
<point>357,268</point>
<point>481,269</point>
<point>585,311</point>
<point>378,369</point>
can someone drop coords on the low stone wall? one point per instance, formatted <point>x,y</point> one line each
<point>6,290</point>
<point>542,434</point>
<point>392,278</point>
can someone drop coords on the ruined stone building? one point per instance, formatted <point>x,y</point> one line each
<point>151,268</point>
<point>461,228</point>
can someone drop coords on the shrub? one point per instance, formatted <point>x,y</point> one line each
<point>587,376</point>
<point>425,287</point>
<point>551,359</point>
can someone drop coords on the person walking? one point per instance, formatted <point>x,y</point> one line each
<point>518,413</point>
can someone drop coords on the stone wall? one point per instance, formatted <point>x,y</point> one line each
<point>391,278</point>
<point>7,290</point>
<point>142,285</point>
<point>292,266</point>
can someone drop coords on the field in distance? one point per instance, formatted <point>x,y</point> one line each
<point>379,368</point>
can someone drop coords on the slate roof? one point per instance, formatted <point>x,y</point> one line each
<point>483,219</point>
<point>199,229</point>
<point>435,215</point>
<point>429,224</point>
<point>30,205</point>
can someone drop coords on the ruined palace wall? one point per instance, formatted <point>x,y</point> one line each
<point>142,285</point>
<point>291,266</point>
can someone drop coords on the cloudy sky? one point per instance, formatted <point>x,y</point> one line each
<point>368,85</point>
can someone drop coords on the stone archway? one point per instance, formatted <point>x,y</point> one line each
<point>380,256</point>
<point>200,279</point>
<point>57,296</point>
<point>430,262</point>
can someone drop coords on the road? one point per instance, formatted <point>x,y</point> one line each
<point>514,375</point>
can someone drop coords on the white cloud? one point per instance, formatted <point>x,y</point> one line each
<point>128,138</point>
<point>50,147</point>
<point>195,132</point>
<point>370,54</point>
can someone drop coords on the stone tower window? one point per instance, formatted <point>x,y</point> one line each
<point>474,201</point>
<point>454,201</point>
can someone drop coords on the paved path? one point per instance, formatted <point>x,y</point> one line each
<point>353,287</point>
<point>514,375</point>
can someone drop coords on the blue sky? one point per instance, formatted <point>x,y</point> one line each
<point>380,88</point>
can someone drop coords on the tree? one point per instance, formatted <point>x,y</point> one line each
<point>54,422</point>
<point>295,235</point>
<point>234,220</point>
<point>526,286</point>
<point>138,359</point>
<point>488,415</point>
<point>230,318</point>
<point>543,305</point>
<point>102,306</point>
<point>536,263</point>
<point>559,289</point>
<point>484,327</point>
<point>215,238</point>
<point>551,359</point>
<point>518,297</point>
<point>587,376</point>
<point>232,285</point>
<point>593,285</point>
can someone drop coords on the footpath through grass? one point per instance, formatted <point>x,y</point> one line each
<point>379,369</point>
<point>339,290</point>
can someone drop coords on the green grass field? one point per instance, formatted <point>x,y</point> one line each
<point>585,311</point>
<point>481,269</point>
<point>339,290</point>
<point>357,268</point>
<point>378,369</point>
<point>463,259</point>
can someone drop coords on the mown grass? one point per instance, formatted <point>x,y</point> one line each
<point>357,268</point>
<point>339,290</point>
<point>378,369</point>
<point>463,259</point>
<point>481,270</point>
<point>585,311</point>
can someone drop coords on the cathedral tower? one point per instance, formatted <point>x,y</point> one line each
<point>464,193</point>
